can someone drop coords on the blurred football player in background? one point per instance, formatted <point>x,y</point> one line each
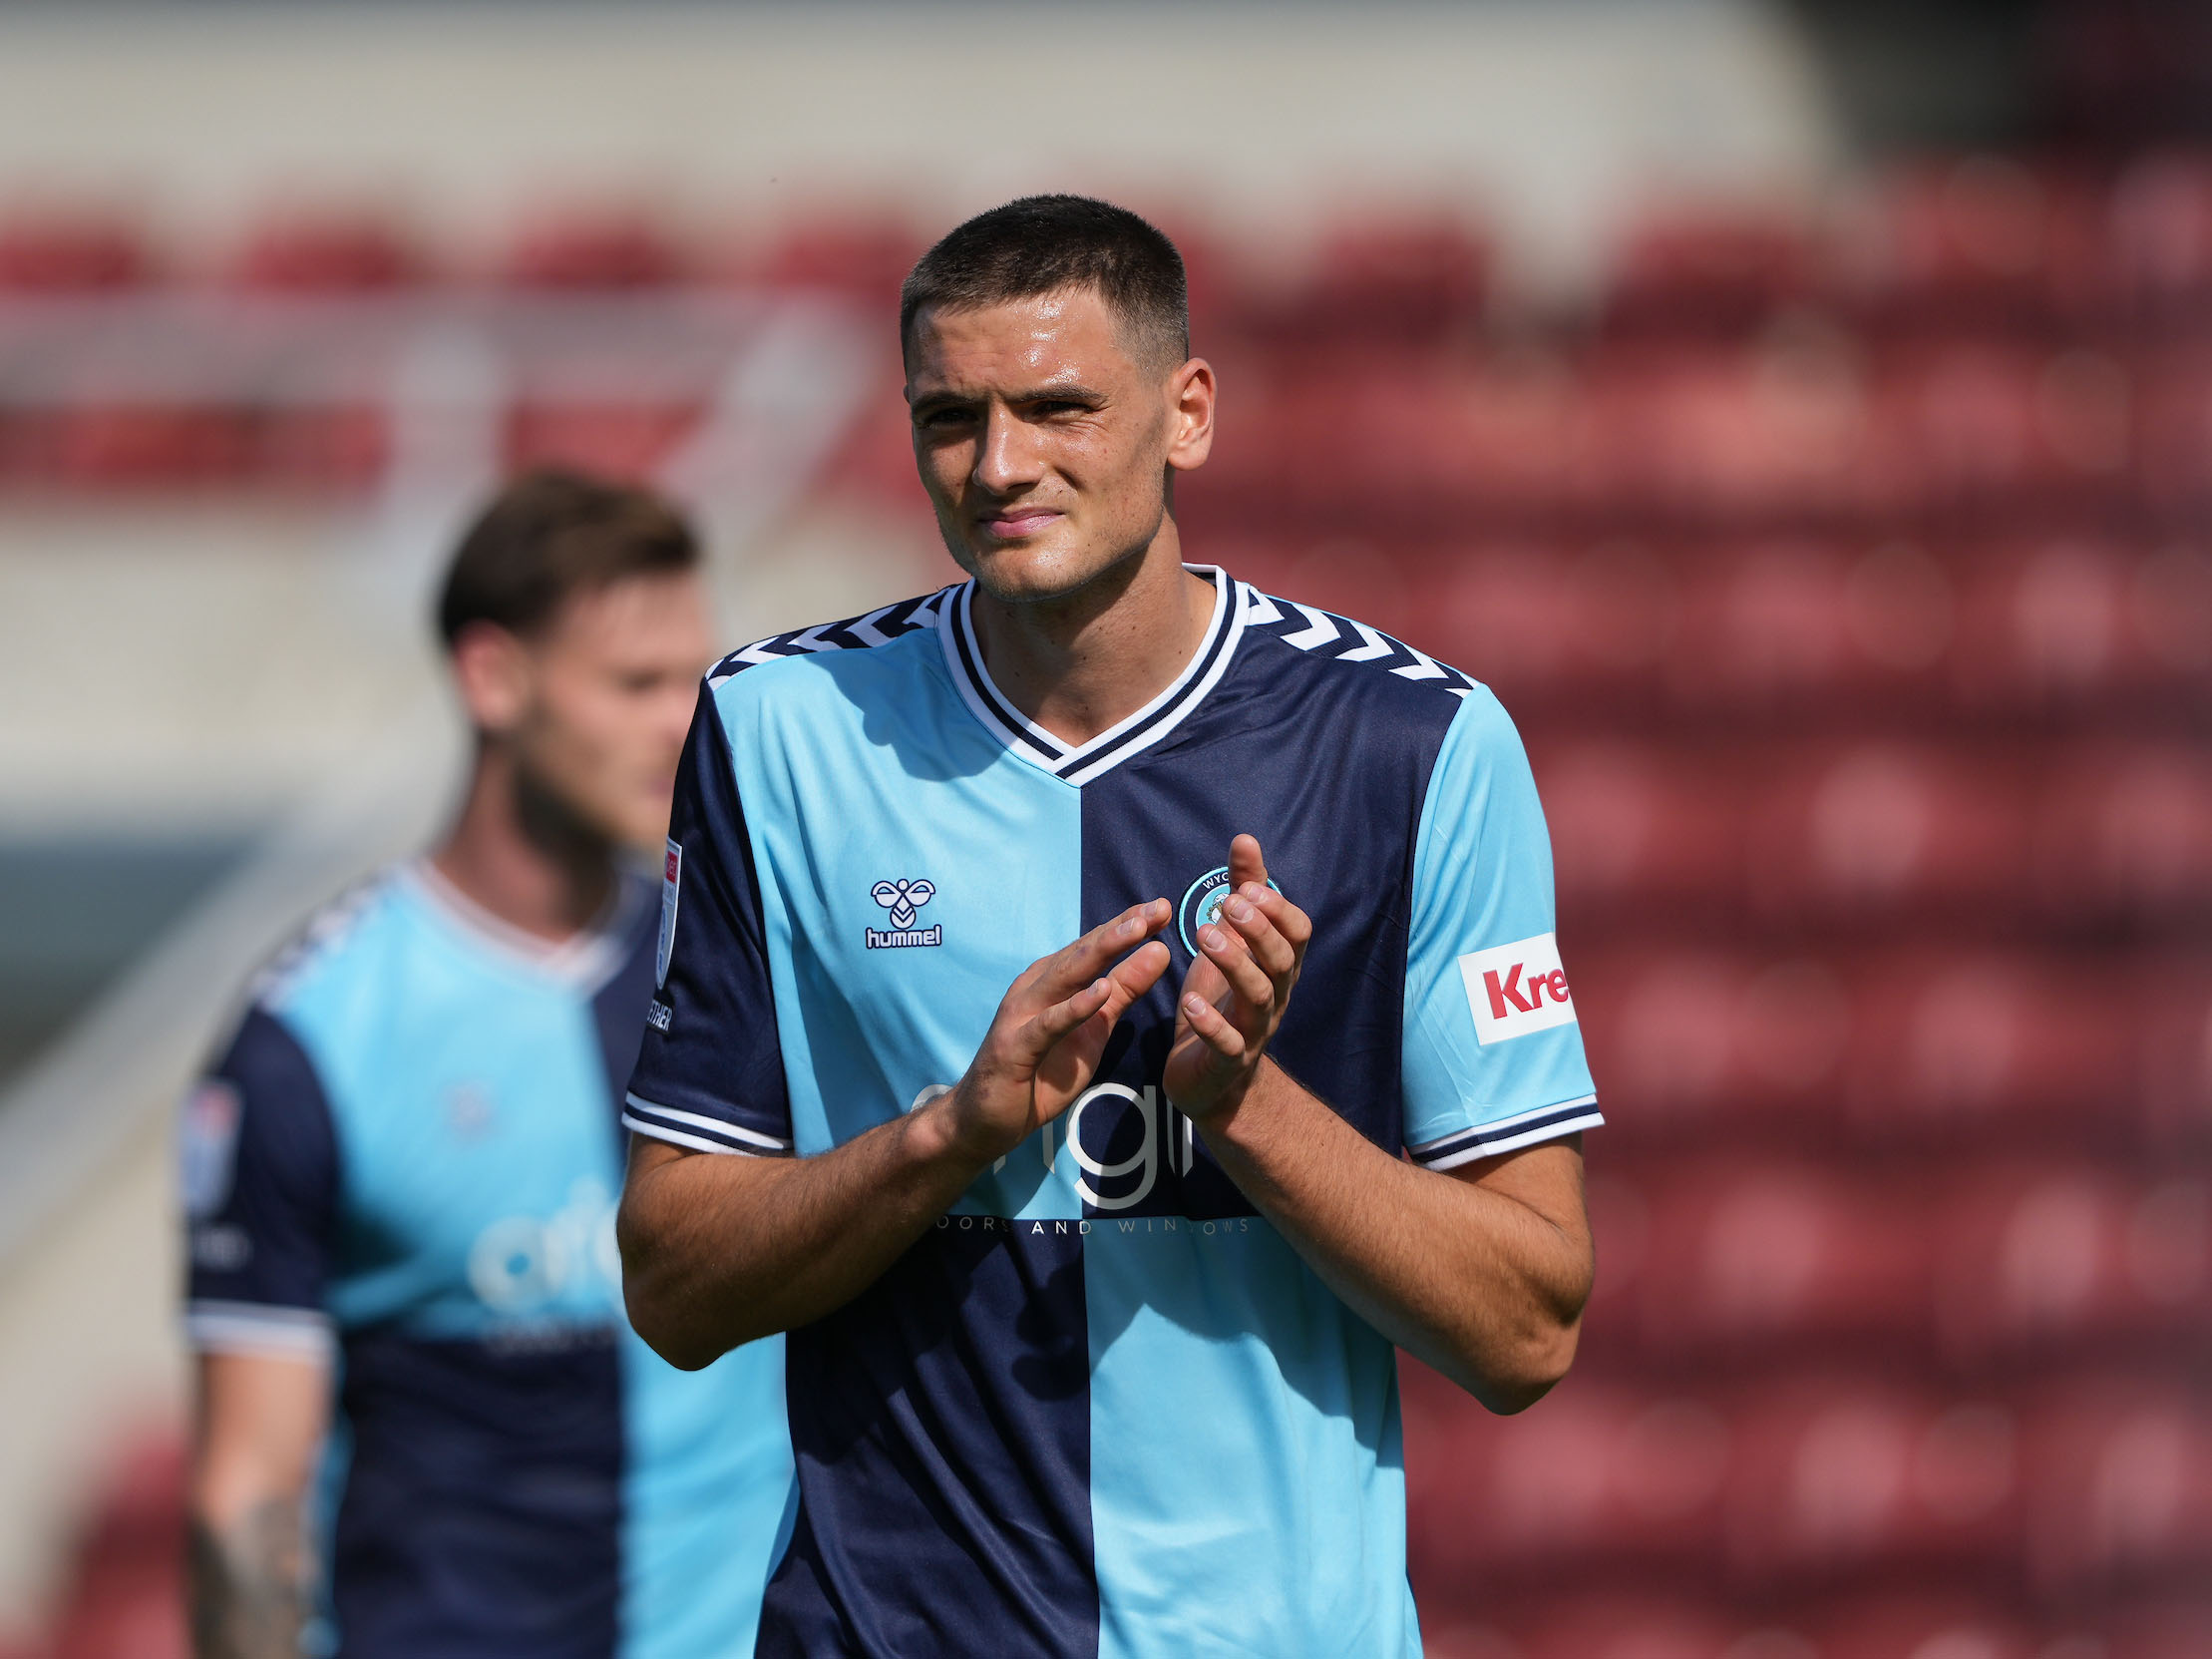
<point>424,1425</point>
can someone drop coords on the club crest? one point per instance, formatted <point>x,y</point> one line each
<point>1202,903</point>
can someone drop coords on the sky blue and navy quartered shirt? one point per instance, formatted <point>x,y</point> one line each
<point>1102,1406</point>
<point>407,1163</point>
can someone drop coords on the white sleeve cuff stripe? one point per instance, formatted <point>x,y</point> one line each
<point>1499,1126</point>
<point>697,1143</point>
<point>712,1126</point>
<point>1512,1140</point>
<point>252,1328</point>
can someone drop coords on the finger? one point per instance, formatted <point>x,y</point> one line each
<point>1254,986</point>
<point>1289,921</point>
<point>1043,1029</point>
<point>1083,961</point>
<point>1135,975</point>
<point>1246,863</point>
<point>1269,948</point>
<point>1213,1027</point>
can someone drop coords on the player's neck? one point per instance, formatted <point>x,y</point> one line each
<point>1080,664</point>
<point>517,853</point>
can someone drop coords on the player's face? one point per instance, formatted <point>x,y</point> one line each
<point>1044,444</point>
<point>609,689</point>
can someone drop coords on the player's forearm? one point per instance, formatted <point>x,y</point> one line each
<point>1473,1282</point>
<point>249,1579</point>
<point>719,1251</point>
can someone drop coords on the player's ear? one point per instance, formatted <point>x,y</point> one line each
<point>1191,412</point>
<point>490,669</point>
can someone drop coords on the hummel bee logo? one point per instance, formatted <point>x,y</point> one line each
<point>903,899</point>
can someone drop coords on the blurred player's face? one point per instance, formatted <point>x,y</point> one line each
<point>1045,444</point>
<point>592,711</point>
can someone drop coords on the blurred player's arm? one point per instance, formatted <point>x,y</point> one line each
<point>260,1421</point>
<point>720,1249</point>
<point>1481,1272</point>
<point>260,1180</point>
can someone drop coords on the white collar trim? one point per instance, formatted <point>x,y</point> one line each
<point>963,656</point>
<point>586,959</point>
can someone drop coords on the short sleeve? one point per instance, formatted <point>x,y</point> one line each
<point>1493,1055</point>
<point>259,1175</point>
<point>710,1073</point>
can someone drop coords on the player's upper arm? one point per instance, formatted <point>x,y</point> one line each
<point>258,1176</point>
<point>1492,1056</point>
<point>710,1074</point>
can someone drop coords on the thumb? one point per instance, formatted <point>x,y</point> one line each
<point>1246,862</point>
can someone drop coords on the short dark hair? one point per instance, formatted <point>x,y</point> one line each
<point>1040,245</point>
<point>550,534</point>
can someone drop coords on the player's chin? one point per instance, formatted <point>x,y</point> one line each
<point>1046,565</point>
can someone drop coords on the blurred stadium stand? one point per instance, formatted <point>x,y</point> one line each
<point>1847,563</point>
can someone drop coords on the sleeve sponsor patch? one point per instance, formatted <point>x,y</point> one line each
<point>671,888</point>
<point>207,1148</point>
<point>1513,990</point>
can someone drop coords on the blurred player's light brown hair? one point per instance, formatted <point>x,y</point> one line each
<point>550,535</point>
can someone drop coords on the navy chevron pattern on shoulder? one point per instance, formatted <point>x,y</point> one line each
<point>876,627</point>
<point>1323,633</point>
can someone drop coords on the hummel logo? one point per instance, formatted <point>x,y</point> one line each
<point>903,899</point>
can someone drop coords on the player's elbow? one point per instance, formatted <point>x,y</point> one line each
<point>660,1311</point>
<point>1530,1368</point>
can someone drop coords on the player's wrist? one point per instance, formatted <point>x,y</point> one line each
<point>951,1132</point>
<point>1238,1116</point>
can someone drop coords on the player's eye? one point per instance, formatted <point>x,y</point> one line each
<point>943,419</point>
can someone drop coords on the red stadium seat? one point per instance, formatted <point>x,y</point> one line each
<point>2128,831</point>
<point>1625,1627</point>
<point>624,440</point>
<point>1778,427</point>
<point>1957,1045</point>
<point>609,250</point>
<point>336,446</point>
<point>1835,1479</point>
<point>1410,278</point>
<point>2179,1630</point>
<point>1980,240</point>
<point>132,442</point>
<point>1639,828</point>
<point>2077,622</point>
<point>1595,1474</point>
<point>58,249</point>
<point>2118,1482</point>
<point>1747,1255</point>
<point>325,252</point>
<point>866,257</point>
<point>2174,1055</point>
<point>1881,831</point>
<point>1703,270</point>
<point>2175,461</point>
<point>1934,1626</point>
<point>1766,623</point>
<point>2159,231</point>
<point>1517,421</point>
<point>1961,422</point>
<point>125,1597</point>
<point>1714,1046</point>
<point>2069,1256</point>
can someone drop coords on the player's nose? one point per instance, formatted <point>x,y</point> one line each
<point>1006,460</point>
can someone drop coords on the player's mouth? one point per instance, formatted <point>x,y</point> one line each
<point>1015,523</point>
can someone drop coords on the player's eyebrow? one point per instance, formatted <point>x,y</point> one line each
<point>1052,392</point>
